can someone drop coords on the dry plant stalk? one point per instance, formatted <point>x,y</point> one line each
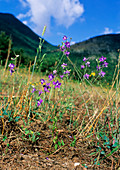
<point>9,48</point>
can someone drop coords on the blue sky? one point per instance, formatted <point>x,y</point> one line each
<point>78,19</point>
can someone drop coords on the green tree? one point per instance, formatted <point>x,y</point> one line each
<point>4,45</point>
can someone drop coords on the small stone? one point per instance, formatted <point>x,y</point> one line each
<point>76,164</point>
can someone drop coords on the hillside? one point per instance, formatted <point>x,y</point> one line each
<point>22,36</point>
<point>93,48</point>
<point>99,45</point>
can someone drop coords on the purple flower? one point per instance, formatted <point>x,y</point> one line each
<point>102,73</point>
<point>67,72</point>
<point>102,59</point>
<point>11,66</point>
<point>47,84</point>
<point>40,92</point>
<point>57,84</point>
<point>82,66</point>
<point>39,102</point>
<point>84,59</point>
<point>67,44</point>
<point>63,65</point>
<point>42,81</point>
<point>98,68</point>
<point>66,53</point>
<point>70,136</point>
<point>86,76</point>
<point>61,76</point>
<point>54,71</point>
<point>11,71</point>
<point>105,64</point>
<point>51,77</point>
<point>46,87</point>
<point>64,38</point>
<point>87,64</point>
<point>33,90</point>
<point>62,48</point>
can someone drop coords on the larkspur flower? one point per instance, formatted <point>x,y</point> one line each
<point>57,84</point>
<point>40,92</point>
<point>105,64</point>
<point>11,71</point>
<point>64,38</point>
<point>61,76</point>
<point>51,77</point>
<point>46,87</point>
<point>102,73</point>
<point>62,48</point>
<point>98,68</point>
<point>42,81</point>
<point>87,64</point>
<point>102,59</point>
<point>82,66</point>
<point>67,53</point>
<point>84,59</point>
<point>63,65</point>
<point>70,136</point>
<point>67,72</point>
<point>33,90</point>
<point>54,71</point>
<point>39,102</point>
<point>86,76</point>
<point>11,66</point>
<point>67,44</point>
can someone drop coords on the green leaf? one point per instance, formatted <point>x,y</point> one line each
<point>100,148</point>
<point>5,113</point>
<point>114,150</point>
<point>33,137</point>
<point>5,137</point>
<point>54,140</point>
<point>106,138</point>
<point>93,153</point>
<point>108,147</point>
<point>56,146</point>
<point>62,142</point>
<point>102,152</point>
<point>106,143</point>
<point>8,144</point>
<point>59,143</point>
<point>37,138</point>
<point>27,132</point>
<point>17,118</point>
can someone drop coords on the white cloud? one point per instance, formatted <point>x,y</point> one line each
<point>118,32</point>
<point>107,31</point>
<point>25,22</point>
<point>63,12</point>
<point>23,3</point>
<point>22,16</point>
<point>72,42</point>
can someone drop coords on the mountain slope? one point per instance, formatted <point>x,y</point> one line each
<point>94,48</point>
<point>22,36</point>
<point>99,45</point>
